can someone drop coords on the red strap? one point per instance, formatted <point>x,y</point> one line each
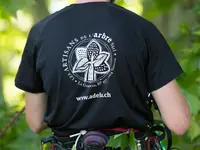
<point>52,147</point>
<point>120,130</point>
<point>112,129</point>
<point>152,138</point>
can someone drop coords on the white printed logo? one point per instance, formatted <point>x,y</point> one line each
<point>90,60</point>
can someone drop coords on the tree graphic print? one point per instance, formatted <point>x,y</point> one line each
<point>91,60</point>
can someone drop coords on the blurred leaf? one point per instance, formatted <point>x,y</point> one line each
<point>117,135</point>
<point>197,32</point>
<point>120,140</point>
<point>164,5</point>
<point>193,101</point>
<point>11,6</point>
<point>194,130</point>
<point>196,8</point>
<point>74,147</point>
<point>156,7</point>
<point>189,79</point>
<point>132,141</point>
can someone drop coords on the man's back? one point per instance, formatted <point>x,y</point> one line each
<point>96,62</point>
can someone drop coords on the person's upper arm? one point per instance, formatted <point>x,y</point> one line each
<point>162,69</point>
<point>27,78</point>
<point>35,110</point>
<point>173,107</point>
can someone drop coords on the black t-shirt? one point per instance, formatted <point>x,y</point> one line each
<point>96,62</point>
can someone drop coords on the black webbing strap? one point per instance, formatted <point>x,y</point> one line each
<point>160,129</point>
<point>169,137</point>
<point>151,102</point>
<point>56,144</point>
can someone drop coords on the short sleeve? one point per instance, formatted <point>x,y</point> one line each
<point>27,78</point>
<point>162,65</point>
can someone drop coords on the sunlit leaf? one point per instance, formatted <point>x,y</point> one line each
<point>132,141</point>
<point>117,135</point>
<point>114,143</point>
<point>11,6</point>
<point>184,28</point>
<point>197,32</point>
<point>194,130</point>
<point>120,140</point>
<point>74,147</point>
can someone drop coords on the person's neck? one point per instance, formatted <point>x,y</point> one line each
<point>87,1</point>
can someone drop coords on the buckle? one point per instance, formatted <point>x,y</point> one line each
<point>50,139</point>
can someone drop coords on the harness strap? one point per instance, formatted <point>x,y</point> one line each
<point>169,137</point>
<point>151,136</point>
<point>120,130</point>
<point>153,129</point>
<point>159,129</point>
<point>78,135</point>
<point>151,102</point>
<point>52,147</point>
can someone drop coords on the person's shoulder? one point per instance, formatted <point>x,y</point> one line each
<point>131,16</point>
<point>39,26</point>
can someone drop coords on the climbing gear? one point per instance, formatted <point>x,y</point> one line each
<point>153,139</point>
<point>150,140</point>
<point>85,140</point>
<point>97,140</point>
<point>152,103</point>
<point>94,140</point>
<point>142,143</point>
<point>58,143</point>
<point>160,124</point>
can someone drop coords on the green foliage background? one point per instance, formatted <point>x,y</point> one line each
<point>16,18</point>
